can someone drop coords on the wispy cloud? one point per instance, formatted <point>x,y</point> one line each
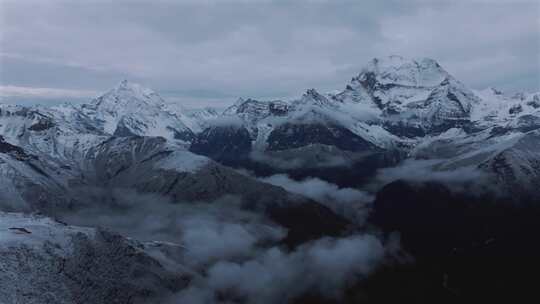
<point>7,91</point>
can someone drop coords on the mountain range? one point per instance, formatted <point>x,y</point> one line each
<point>399,120</point>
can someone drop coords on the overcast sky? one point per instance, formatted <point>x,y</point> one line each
<point>211,52</point>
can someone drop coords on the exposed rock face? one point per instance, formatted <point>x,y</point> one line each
<point>290,136</point>
<point>13,150</point>
<point>226,144</point>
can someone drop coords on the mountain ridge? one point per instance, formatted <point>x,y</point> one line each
<point>393,106</point>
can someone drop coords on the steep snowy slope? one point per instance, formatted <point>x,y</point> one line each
<point>508,161</point>
<point>411,97</point>
<point>44,261</point>
<point>519,111</point>
<point>253,114</point>
<point>199,119</point>
<point>43,148</point>
<point>22,180</point>
<point>152,165</point>
<point>312,119</point>
<point>130,109</point>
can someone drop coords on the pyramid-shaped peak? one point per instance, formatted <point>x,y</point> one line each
<point>396,61</point>
<point>123,83</point>
<point>128,93</point>
<point>394,69</point>
<point>496,91</point>
<point>133,87</point>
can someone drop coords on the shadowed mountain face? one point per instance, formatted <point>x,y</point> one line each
<point>234,144</point>
<point>291,136</point>
<point>467,243</point>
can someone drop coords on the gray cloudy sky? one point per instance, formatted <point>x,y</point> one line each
<point>211,52</point>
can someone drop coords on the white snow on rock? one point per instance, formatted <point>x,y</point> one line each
<point>183,161</point>
<point>499,108</point>
<point>44,261</point>
<point>132,109</point>
<point>17,229</point>
<point>421,72</point>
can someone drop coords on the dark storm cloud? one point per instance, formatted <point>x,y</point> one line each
<point>259,48</point>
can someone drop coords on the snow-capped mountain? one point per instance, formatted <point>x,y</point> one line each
<point>509,160</point>
<point>392,99</point>
<point>49,159</point>
<point>199,119</point>
<point>404,89</point>
<point>60,160</point>
<point>395,107</point>
<point>407,98</point>
<point>130,109</point>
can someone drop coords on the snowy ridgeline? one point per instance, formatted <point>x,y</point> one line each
<point>392,92</point>
<point>394,105</point>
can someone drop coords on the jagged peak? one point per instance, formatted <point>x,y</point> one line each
<point>242,101</point>
<point>127,92</point>
<point>394,69</point>
<point>133,87</point>
<point>313,97</point>
<point>312,93</point>
<point>496,91</point>
<point>396,61</point>
<point>239,101</point>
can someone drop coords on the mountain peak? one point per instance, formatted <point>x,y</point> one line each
<point>123,83</point>
<point>312,97</point>
<point>312,93</point>
<point>126,94</point>
<point>134,88</point>
<point>398,70</point>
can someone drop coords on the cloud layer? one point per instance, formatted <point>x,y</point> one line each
<point>228,253</point>
<point>322,267</point>
<point>208,52</point>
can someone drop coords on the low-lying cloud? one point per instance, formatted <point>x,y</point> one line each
<point>232,254</point>
<point>323,267</point>
<point>288,162</point>
<point>222,224</point>
<point>347,202</point>
<point>459,179</point>
<point>225,121</point>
